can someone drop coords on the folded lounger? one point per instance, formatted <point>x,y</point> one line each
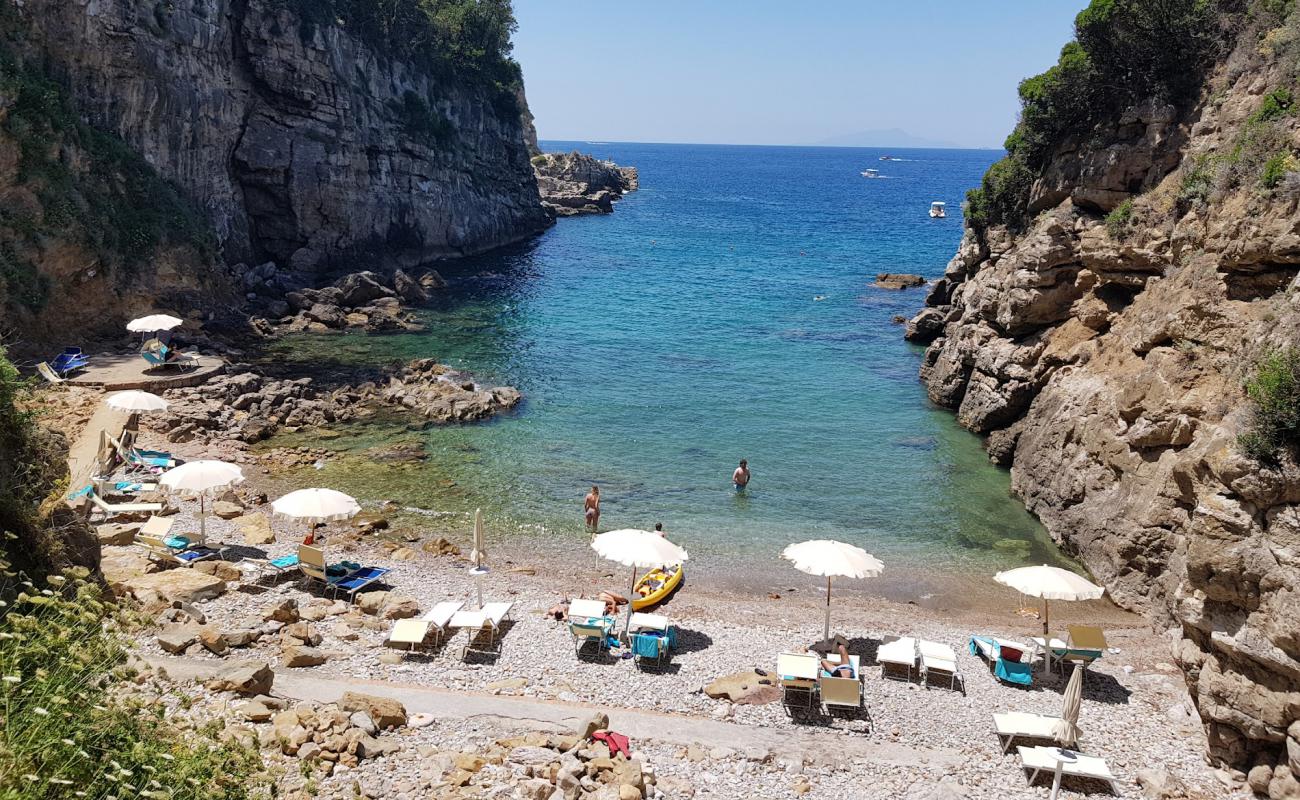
<point>1039,761</point>
<point>898,658</point>
<point>1012,725</point>
<point>939,660</point>
<point>1005,659</point>
<point>70,360</point>
<point>842,692</point>
<point>135,458</point>
<point>488,618</point>
<point>415,632</point>
<point>47,372</point>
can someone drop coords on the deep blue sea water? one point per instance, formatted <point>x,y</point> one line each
<point>724,311</point>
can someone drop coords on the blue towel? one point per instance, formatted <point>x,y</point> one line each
<point>284,562</point>
<point>177,542</point>
<point>1014,672</point>
<point>86,492</point>
<point>649,645</point>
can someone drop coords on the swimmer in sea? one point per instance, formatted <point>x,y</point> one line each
<point>659,528</point>
<point>591,508</point>
<point>741,476</point>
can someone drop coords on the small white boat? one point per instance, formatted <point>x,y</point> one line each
<point>938,210</point>
<point>871,173</point>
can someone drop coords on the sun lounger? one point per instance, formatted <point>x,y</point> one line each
<point>159,550</point>
<point>359,579</point>
<point>1084,644</point>
<point>653,644</point>
<point>839,691</point>
<point>135,458</point>
<point>798,673</point>
<point>898,656</point>
<point>1005,658</point>
<point>588,623</point>
<point>939,660</point>
<point>47,372</point>
<point>311,563</point>
<point>69,361</point>
<point>1040,761</point>
<point>1012,725</point>
<point>415,632</point>
<point>113,509</point>
<point>488,618</point>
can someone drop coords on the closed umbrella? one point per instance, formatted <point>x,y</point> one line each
<point>831,559</point>
<point>478,554</point>
<point>316,505</point>
<point>638,550</point>
<point>1066,729</point>
<point>154,322</point>
<point>199,478</point>
<point>136,401</point>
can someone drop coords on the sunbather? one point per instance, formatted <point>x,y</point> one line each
<point>612,601</point>
<point>843,669</point>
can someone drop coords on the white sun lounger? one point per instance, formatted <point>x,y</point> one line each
<point>1039,761</point>
<point>939,660</point>
<point>897,656</point>
<point>583,608</point>
<point>112,509</point>
<point>1012,725</point>
<point>841,692</point>
<point>415,632</point>
<point>488,618</point>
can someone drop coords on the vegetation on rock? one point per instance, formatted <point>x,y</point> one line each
<point>1274,392</point>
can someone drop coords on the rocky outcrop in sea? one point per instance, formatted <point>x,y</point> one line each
<point>576,183</point>
<point>1103,349</point>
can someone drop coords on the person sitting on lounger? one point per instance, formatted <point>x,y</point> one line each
<point>612,601</point>
<point>844,669</point>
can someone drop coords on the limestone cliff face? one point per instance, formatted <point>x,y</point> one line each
<point>1106,363</point>
<point>302,144</point>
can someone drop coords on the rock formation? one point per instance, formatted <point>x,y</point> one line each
<point>576,183</point>
<point>305,142</point>
<point>1102,348</point>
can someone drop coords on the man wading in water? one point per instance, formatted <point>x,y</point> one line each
<point>591,508</point>
<point>741,476</point>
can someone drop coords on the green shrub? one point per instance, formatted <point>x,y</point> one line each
<point>1275,169</point>
<point>73,724</point>
<point>1002,196</point>
<point>1277,104</point>
<point>1274,393</point>
<point>1198,181</point>
<point>1120,220</point>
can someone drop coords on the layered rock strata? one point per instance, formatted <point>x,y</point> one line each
<point>576,183</point>
<point>1104,359</point>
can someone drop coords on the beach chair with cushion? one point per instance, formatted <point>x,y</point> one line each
<point>106,486</point>
<point>798,673</point>
<point>159,550</point>
<point>1040,761</point>
<point>588,623</point>
<point>841,692</point>
<point>939,661</point>
<point>488,620</point>
<point>47,372</point>
<point>1005,658</point>
<point>898,658</point>
<point>1013,725</point>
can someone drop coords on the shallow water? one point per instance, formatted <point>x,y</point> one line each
<point>722,312</point>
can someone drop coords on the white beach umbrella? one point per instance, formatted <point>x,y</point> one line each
<point>830,559</point>
<point>154,322</point>
<point>199,478</point>
<point>1049,583</point>
<point>638,550</point>
<point>1066,729</point>
<point>316,505</point>
<point>136,401</point>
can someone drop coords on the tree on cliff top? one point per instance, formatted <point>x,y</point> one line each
<point>1124,52</point>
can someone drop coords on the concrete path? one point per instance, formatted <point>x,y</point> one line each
<point>117,372</point>
<point>535,714</point>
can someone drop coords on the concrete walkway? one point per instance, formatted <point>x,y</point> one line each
<point>536,714</point>
<point>83,454</point>
<point>117,372</point>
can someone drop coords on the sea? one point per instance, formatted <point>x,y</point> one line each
<point>723,311</point>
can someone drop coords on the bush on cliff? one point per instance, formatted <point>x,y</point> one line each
<point>1274,393</point>
<point>1124,51</point>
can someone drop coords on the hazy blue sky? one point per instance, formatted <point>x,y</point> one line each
<point>766,72</point>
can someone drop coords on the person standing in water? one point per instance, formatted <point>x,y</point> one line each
<point>659,529</point>
<point>741,476</point>
<point>591,508</point>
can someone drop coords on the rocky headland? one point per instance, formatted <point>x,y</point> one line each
<point>576,183</point>
<point>1100,334</point>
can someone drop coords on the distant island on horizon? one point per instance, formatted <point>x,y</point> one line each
<point>887,137</point>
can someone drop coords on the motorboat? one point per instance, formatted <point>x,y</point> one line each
<point>938,210</point>
<point>870,173</point>
<point>890,158</point>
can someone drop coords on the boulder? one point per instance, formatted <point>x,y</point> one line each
<point>214,640</point>
<point>117,534</point>
<point>744,688</point>
<point>400,608</point>
<point>177,638</point>
<point>361,288</point>
<point>302,656</point>
<point>121,564</point>
<point>178,584</point>
<point>243,677</point>
<point>285,611</point>
<point>596,722</point>
<point>224,570</point>
<point>227,510</point>
<point>384,711</point>
<point>253,711</point>
<point>898,280</point>
<point>256,529</point>
<point>371,602</point>
<point>299,633</point>
<point>409,289</point>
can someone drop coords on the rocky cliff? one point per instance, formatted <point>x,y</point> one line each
<point>1101,338</point>
<point>306,138</point>
<point>576,183</point>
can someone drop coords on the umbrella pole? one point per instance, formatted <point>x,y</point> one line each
<point>627,633</point>
<point>826,631</point>
<point>203,520</point>
<point>1047,633</point>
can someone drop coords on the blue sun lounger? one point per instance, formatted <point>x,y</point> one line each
<point>70,360</point>
<point>359,579</point>
<point>1005,659</point>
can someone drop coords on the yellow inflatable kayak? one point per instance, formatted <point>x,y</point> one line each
<point>655,586</point>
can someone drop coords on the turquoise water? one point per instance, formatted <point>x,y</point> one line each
<point>659,345</point>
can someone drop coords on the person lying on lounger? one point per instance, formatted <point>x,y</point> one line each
<point>844,669</point>
<point>612,601</point>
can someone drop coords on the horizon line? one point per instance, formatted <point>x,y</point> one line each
<point>751,144</point>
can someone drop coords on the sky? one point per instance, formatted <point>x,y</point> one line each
<point>767,72</point>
